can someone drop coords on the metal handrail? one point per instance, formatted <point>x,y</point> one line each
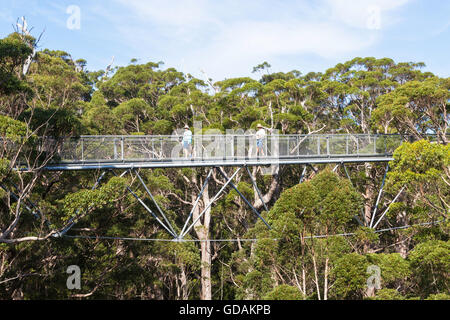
<point>222,147</point>
<point>219,146</point>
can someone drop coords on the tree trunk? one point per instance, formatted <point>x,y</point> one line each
<point>267,197</point>
<point>206,270</point>
<point>316,276</point>
<point>368,195</point>
<point>402,241</point>
<point>202,231</point>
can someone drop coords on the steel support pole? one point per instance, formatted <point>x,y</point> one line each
<point>387,209</point>
<point>346,145</point>
<point>209,205</point>
<point>375,145</point>
<point>303,174</point>
<point>314,169</point>
<point>385,145</point>
<point>346,172</point>
<point>146,207</point>
<point>72,221</point>
<point>357,145</point>
<point>121,149</point>
<point>153,199</point>
<point>318,145</point>
<point>82,149</point>
<point>115,149</point>
<point>379,196</point>
<point>244,198</point>
<point>328,146</point>
<point>196,202</point>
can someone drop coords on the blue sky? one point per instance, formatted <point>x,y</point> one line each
<point>227,38</point>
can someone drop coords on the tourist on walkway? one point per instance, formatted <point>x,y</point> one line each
<point>260,135</point>
<point>187,142</point>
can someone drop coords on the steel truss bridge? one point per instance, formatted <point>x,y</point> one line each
<point>131,153</point>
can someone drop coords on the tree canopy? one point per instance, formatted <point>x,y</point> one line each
<point>322,240</point>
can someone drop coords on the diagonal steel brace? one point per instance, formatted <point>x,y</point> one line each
<point>196,202</point>
<point>303,174</point>
<point>379,196</point>
<point>73,220</point>
<point>146,207</point>
<point>256,187</point>
<point>362,210</point>
<point>244,198</point>
<point>154,201</point>
<point>209,205</point>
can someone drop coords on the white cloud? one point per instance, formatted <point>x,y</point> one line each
<point>359,14</point>
<point>243,45</point>
<point>227,37</point>
<point>178,13</point>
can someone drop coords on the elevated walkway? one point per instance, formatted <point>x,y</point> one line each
<point>127,152</point>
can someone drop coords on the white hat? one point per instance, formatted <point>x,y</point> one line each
<point>186,127</point>
<point>259,125</point>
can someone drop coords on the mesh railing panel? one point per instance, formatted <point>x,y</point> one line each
<point>212,147</point>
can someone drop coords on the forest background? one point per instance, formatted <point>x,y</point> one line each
<point>48,93</point>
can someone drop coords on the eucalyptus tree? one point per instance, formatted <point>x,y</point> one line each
<point>355,89</point>
<point>420,177</point>
<point>290,253</point>
<point>416,108</point>
<point>42,102</point>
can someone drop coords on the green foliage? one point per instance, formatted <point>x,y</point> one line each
<point>422,102</point>
<point>388,294</point>
<point>100,120</point>
<point>430,262</point>
<point>161,127</point>
<point>86,200</point>
<point>11,129</point>
<point>284,292</point>
<point>14,50</point>
<point>59,122</point>
<point>4,167</point>
<point>422,167</point>
<point>350,276</point>
<point>326,201</point>
<point>419,162</point>
<point>59,97</point>
<point>394,269</point>
<point>54,77</point>
<point>131,114</point>
<point>438,296</point>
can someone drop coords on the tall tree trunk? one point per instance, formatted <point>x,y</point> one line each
<point>206,293</point>
<point>202,231</point>
<point>184,285</point>
<point>368,194</point>
<point>267,197</point>
<point>316,275</point>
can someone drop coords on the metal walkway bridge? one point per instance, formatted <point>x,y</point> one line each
<point>126,152</point>
<point>130,153</point>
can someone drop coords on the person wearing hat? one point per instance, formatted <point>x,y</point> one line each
<point>187,141</point>
<point>260,135</point>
